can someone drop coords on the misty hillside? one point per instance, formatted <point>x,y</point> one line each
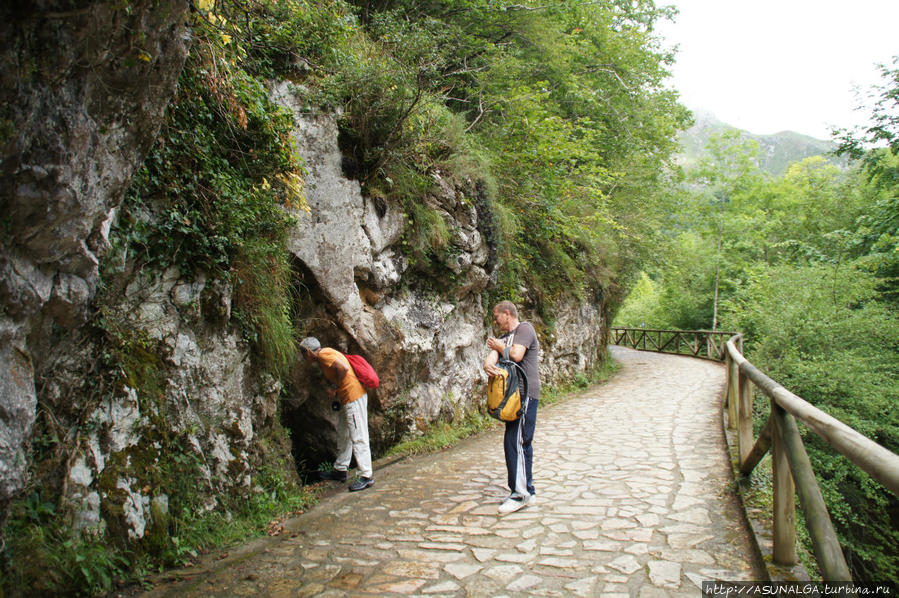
<point>777,150</point>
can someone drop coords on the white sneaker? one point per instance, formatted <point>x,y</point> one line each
<point>511,504</point>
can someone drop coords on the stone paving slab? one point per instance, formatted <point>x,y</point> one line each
<point>633,500</point>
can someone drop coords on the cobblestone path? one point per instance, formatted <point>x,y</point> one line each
<point>632,483</point>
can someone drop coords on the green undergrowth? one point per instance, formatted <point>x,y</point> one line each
<point>443,435</point>
<point>210,197</point>
<point>44,557</point>
<point>45,552</point>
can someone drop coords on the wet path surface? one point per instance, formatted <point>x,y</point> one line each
<point>633,499</point>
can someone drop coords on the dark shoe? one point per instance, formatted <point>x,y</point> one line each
<point>361,484</point>
<point>337,476</point>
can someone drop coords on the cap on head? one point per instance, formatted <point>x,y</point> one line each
<point>310,343</point>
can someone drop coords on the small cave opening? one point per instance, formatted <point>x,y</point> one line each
<point>351,161</point>
<point>307,412</point>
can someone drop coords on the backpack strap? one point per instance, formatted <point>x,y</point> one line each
<point>522,377</point>
<point>523,387</point>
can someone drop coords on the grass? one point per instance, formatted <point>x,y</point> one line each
<point>443,435</point>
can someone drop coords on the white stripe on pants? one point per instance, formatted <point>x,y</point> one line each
<point>353,437</point>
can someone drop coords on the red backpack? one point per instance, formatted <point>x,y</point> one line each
<point>366,374</point>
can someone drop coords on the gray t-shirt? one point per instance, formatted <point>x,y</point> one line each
<point>525,335</point>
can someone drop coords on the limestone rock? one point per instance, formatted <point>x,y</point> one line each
<point>427,347</point>
<point>79,116</point>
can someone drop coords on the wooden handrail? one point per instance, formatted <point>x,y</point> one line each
<point>792,469</point>
<point>789,453</point>
<point>707,344</point>
<point>879,462</point>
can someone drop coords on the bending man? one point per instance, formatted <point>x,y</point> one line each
<point>353,418</point>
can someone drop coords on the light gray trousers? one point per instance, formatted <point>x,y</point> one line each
<point>353,437</point>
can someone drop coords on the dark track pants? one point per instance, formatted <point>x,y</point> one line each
<point>519,452</point>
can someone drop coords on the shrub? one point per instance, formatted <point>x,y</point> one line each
<point>821,335</point>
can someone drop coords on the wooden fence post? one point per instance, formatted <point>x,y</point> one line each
<point>745,440</point>
<point>728,393</point>
<point>831,561</point>
<point>733,390</point>
<point>784,497</point>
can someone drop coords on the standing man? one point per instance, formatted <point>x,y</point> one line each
<point>353,418</point>
<point>521,339</point>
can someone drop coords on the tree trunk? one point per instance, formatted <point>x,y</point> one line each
<point>717,276</point>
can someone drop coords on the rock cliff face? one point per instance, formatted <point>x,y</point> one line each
<point>83,87</point>
<point>428,347</point>
<point>188,389</point>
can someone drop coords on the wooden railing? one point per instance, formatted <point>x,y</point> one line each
<point>792,470</point>
<point>708,344</point>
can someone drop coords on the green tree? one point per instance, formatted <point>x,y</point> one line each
<point>876,148</point>
<point>883,128</point>
<point>568,105</point>
<point>876,236</point>
<point>642,307</point>
<point>835,346</point>
<point>581,142</point>
<point>729,171</point>
<point>807,214</point>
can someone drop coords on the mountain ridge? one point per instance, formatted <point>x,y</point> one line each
<point>777,150</point>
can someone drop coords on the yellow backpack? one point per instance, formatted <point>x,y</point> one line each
<point>507,391</point>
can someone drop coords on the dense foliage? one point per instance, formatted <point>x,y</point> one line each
<point>210,196</point>
<point>805,265</point>
<point>878,240</point>
<point>559,110</point>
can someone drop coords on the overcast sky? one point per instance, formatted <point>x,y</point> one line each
<point>772,65</point>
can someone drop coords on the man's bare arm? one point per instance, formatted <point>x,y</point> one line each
<point>516,353</point>
<point>341,371</point>
<point>490,363</point>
